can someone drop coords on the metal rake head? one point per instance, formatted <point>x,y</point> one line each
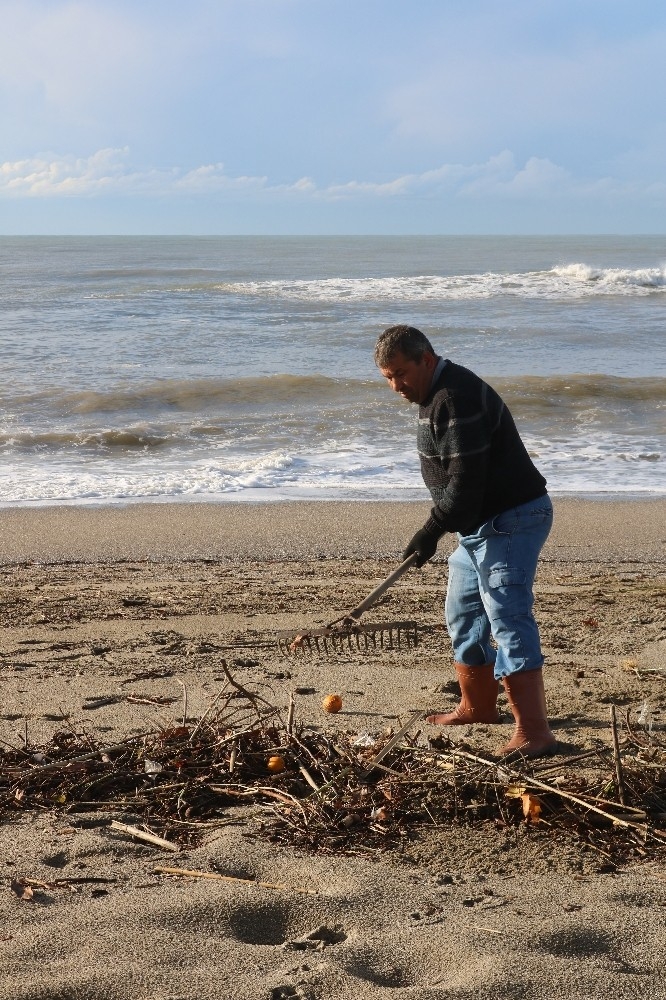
<point>392,635</point>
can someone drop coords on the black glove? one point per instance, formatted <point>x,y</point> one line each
<point>424,543</point>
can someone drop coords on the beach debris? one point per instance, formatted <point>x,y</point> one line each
<point>630,664</point>
<point>145,835</point>
<point>101,701</point>
<point>531,807</point>
<point>22,889</point>
<point>34,891</point>
<point>216,876</point>
<point>332,703</point>
<point>364,740</point>
<point>136,699</point>
<point>337,791</point>
<point>645,717</point>
<point>276,764</point>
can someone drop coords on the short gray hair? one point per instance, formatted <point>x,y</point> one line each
<point>404,339</point>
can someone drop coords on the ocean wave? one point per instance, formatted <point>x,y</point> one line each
<point>57,440</point>
<point>613,278</point>
<point>579,390</point>
<point>170,398</point>
<point>185,395</point>
<point>568,281</point>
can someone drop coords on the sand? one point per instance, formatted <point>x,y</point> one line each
<point>100,602</point>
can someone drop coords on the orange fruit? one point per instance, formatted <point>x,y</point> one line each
<point>332,703</point>
<point>276,764</point>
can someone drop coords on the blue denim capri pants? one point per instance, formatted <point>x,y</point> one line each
<point>489,598</point>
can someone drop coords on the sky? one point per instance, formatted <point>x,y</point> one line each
<point>332,116</point>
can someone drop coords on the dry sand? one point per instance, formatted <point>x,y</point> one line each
<point>95,600</point>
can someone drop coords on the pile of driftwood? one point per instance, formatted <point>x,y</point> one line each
<point>339,792</point>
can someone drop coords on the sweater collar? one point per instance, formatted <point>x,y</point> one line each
<point>439,368</point>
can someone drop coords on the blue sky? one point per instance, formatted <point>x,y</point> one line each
<point>332,116</point>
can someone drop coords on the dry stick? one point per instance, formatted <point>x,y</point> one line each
<point>558,791</point>
<point>207,713</point>
<point>150,838</point>
<point>416,717</point>
<point>284,797</point>
<point>184,700</point>
<point>308,777</point>
<point>616,754</point>
<point>55,765</point>
<point>111,804</point>
<point>162,870</point>
<point>290,716</point>
<point>545,767</point>
<point>341,774</point>
<point>305,749</point>
<point>252,698</point>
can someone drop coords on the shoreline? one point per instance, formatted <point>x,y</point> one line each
<point>171,532</point>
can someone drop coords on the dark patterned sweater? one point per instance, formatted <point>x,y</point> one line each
<point>473,459</point>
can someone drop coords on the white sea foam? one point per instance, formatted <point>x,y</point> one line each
<point>575,280</point>
<point>346,469</point>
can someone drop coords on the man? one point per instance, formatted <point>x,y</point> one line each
<point>487,490</point>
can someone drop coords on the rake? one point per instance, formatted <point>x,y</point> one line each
<point>347,634</point>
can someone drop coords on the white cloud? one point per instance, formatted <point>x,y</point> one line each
<point>109,172</point>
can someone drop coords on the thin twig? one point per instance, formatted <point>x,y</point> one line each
<point>290,715</point>
<point>416,717</point>
<point>149,838</point>
<point>184,687</point>
<point>186,872</point>
<point>207,713</point>
<point>616,755</point>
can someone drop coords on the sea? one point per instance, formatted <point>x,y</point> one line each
<point>241,368</point>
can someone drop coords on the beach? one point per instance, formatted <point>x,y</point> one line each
<point>112,613</point>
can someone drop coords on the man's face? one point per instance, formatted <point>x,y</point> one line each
<point>412,379</point>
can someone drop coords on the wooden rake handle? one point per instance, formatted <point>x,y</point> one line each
<point>380,589</point>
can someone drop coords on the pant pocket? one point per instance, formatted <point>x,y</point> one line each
<point>506,576</point>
